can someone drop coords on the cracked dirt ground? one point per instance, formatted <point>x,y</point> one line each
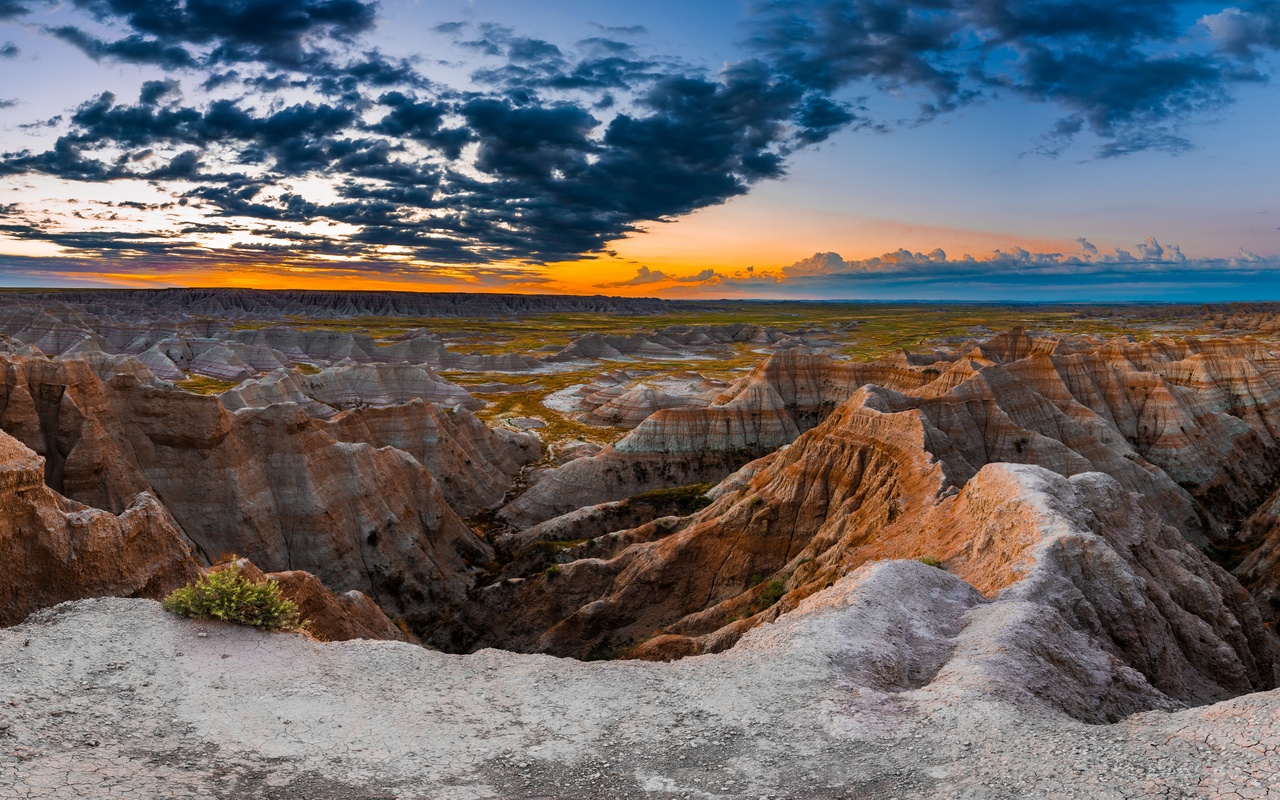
<point>115,698</point>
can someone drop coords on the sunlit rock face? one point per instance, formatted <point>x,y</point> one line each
<point>55,549</point>
<point>1071,489</point>
<point>273,483</point>
<point>900,459</point>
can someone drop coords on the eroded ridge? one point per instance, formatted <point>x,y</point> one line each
<point>1024,565</point>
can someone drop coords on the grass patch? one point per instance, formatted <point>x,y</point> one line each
<point>932,561</point>
<point>685,499</point>
<point>606,650</point>
<point>226,594</point>
<point>772,593</point>
<point>199,384</point>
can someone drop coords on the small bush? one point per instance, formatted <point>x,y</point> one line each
<point>227,595</point>
<point>772,593</point>
<point>606,650</point>
<point>684,499</point>
<point>553,570</point>
<point>932,561</point>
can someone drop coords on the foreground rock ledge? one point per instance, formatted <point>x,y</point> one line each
<point>116,698</point>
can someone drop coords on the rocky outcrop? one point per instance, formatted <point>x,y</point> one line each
<point>281,386</point>
<point>1078,570</point>
<point>328,616</point>
<point>681,341</point>
<point>1260,569</point>
<point>900,468</point>
<point>252,304</point>
<point>273,484</point>
<point>474,465</point>
<point>349,386</point>
<point>786,395</point>
<point>626,399</point>
<point>612,475</point>
<point>383,385</point>
<point>54,549</point>
<point>877,686</point>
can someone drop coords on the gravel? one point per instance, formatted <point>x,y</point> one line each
<point>115,698</point>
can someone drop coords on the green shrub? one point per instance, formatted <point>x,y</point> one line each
<point>772,593</point>
<point>605,650</point>
<point>226,594</point>
<point>932,561</point>
<point>684,499</point>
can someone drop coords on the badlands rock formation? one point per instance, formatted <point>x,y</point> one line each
<point>350,386</point>
<point>999,568</point>
<point>253,304</point>
<point>682,341</point>
<point>274,484</point>
<point>238,335</point>
<point>55,549</point>
<point>787,394</point>
<point>626,398</point>
<point>880,453</point>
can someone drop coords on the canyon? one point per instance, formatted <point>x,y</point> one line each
<point>578,547</point>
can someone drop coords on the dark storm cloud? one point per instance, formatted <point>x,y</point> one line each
<point>547,179</point>
<point>12,9</point>
<point>130,49</point>
<point>296,138</point>
<point>609,72</point>
<point>1122,69</point>
<point>371,70</point>
<point>530,143</point>
<point>534,64</point>
<point>421,121</point>
<point>559,150</point>
<point>98,242</point>
<point>182,33</point>
<point>9,50</point>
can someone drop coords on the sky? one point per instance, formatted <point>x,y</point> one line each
<point>975,150</point>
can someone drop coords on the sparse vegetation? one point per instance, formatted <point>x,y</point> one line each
<point>685,499</point>
<point>932,561</point>
<point>226,594</point>
<point>198,384</point>
<point>772,593</point>
<point>605,650</point>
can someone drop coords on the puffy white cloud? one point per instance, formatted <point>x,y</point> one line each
<point>645,276</point>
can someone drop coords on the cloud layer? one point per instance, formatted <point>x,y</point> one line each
<point>1129,71</point>
<point>282,134</point>
<point>1144,271</point>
